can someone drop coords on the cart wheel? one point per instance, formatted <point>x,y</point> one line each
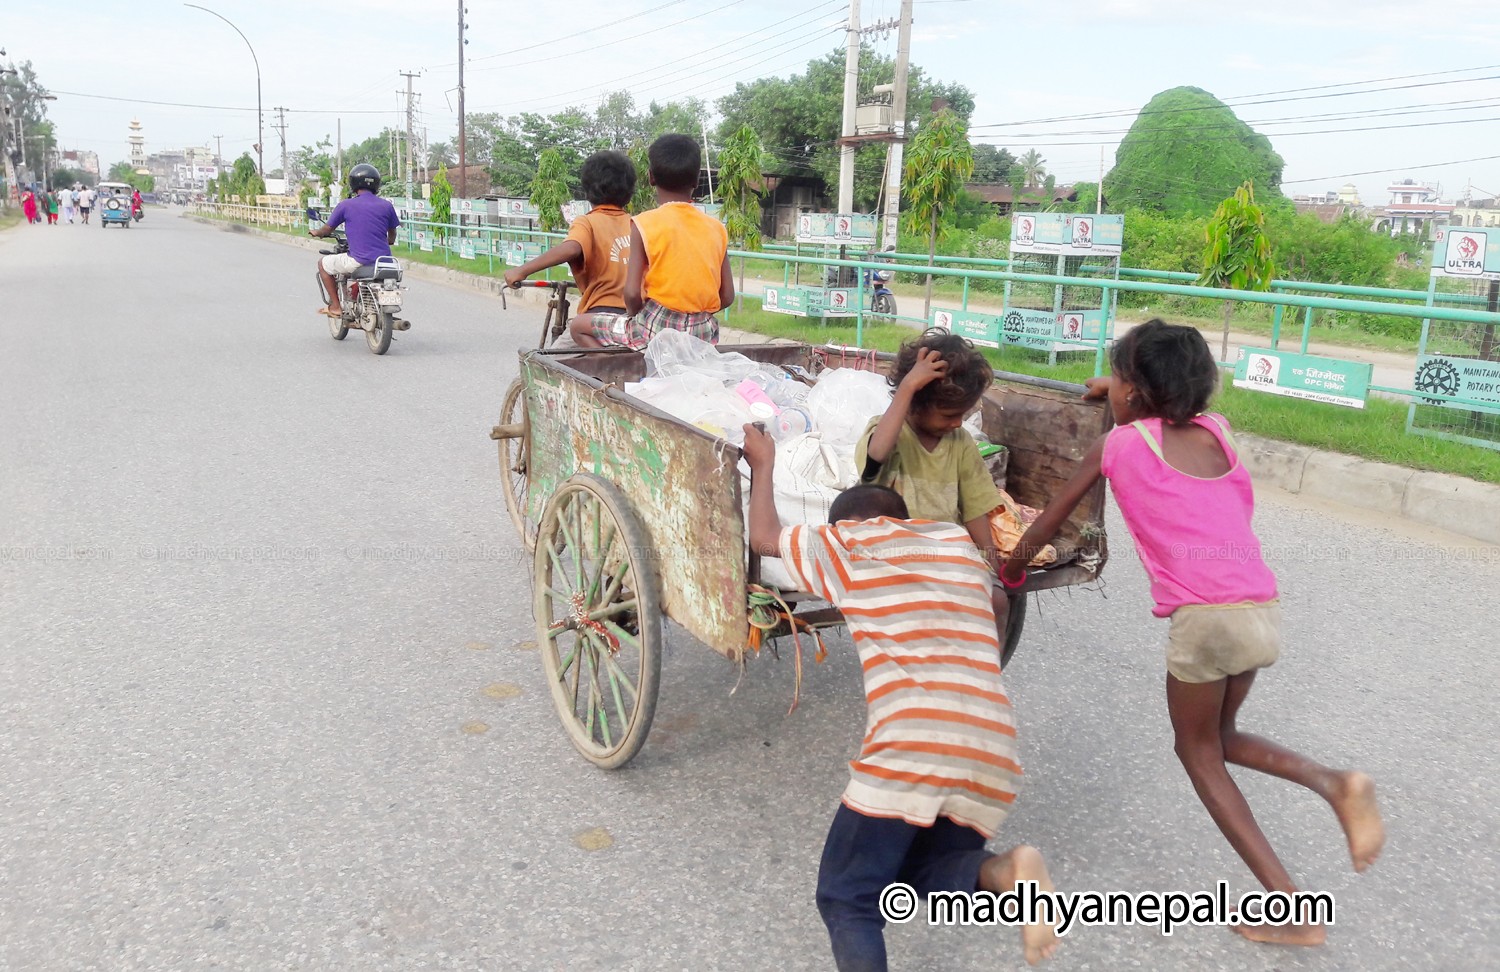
<point>597,604</point>
<point>514,454</point>
<point>378,337</point>
<point>1013,625</point>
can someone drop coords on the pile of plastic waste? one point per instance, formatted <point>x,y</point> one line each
<point>816,426</point>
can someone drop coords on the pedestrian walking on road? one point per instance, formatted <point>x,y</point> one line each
<point>52,206</point>
<point>1177,477</point>
<point>28,205</point>
<point>86,199</point>
<point>65,197</point>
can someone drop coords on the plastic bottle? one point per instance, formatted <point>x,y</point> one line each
<point>793,421</point>
<point>754,395</point>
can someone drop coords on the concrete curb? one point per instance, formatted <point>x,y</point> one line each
<point>1460,506</point>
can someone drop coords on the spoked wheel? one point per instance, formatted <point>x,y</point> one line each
<point>515,452</point>
<point>598,614</point>
<point>1013,625</point>
<point>336,326</point>
<point>378,337</point>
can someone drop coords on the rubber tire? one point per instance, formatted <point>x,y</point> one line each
<point>883,305</point>
<point>514,410</point>
<point>378,340</point>
<point>336,326</point>
<point>1014,624</point>
<point>646,588</point>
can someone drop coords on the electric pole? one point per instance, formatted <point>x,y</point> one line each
<point>218,151</point>
<point>463,156</point>
<point>851,94</point>
<point>410,129</point>
<point>286,172</point>
<point>896,150</point>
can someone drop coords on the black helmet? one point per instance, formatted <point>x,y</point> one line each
<point>364,176</point>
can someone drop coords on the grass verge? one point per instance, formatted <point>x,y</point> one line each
<point>1377,432</point>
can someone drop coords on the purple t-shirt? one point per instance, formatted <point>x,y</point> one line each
<point>366,219</point>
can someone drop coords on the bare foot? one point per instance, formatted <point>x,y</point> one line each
<point>1023,863</point>
<point>1354,802</point>
<point>1284,934</point>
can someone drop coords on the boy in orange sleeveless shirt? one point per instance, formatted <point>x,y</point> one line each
<point>678,276</point>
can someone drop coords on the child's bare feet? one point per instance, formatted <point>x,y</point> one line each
<point>1353,800</point>
<point>1004,872</point>
<point>1284,934</point>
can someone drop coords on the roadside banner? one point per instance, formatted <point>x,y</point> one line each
<point>1305,376</point>
<point>1474,379</point>
<point>1472,253</point>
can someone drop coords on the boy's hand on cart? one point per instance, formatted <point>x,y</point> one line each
<point>760,448</point>
<point>930,367</point>
<point>514,276</point>
<point>1097,388</point>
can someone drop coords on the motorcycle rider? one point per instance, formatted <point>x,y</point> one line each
<point>371,229</point>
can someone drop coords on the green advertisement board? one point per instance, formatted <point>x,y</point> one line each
<point>1473,379</point>
<point>785,300</point>
<point>982,329</point>
<point>810,301</point>
<point>1473,253</point>
<point>517,253</point>
<point>843,229</point>
<point>466,249</point>
<point>1071,234</point>
<point>1305,376</point>
<point>1036,329</point>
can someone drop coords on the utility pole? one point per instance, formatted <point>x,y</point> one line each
<point>1099,197</point>
<point>218,151</point>
<point>12,192</point>
<point>338,174</point>
<point>851,94</point>
<point>286,172</point>
<point>410,129</point>
<point>896,150</point>
<point>463,156</point>
<point>707,165</point>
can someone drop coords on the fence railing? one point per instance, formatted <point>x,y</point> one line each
<point>494,247</point>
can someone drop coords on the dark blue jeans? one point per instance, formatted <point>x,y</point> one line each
<point>864,854</point>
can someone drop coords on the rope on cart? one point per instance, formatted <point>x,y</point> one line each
<point>766,610</point>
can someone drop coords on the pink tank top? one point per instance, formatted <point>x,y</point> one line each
<point>1193,534</point>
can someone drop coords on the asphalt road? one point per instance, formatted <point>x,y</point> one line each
<point>269,697</point>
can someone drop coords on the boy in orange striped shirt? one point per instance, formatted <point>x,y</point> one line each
<point>937,771</point>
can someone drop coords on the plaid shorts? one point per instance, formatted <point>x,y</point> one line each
<point>635,333</point>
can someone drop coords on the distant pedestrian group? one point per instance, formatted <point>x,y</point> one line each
<point>61,205</point>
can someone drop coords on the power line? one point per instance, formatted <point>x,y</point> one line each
<point>1239,102</point>
<point>566,37</point>
<point>179,104</point>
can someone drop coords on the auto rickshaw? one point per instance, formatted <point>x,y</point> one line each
<point>113,205</point>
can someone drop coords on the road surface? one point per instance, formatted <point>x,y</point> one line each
<point>270,699</point>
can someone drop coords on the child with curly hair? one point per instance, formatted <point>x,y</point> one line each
<point>919,447</point>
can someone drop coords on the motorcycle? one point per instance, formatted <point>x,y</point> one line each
<point>882,300</point>
<point>370,298</point>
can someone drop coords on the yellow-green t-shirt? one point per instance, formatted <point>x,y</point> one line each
<point>950,484</point>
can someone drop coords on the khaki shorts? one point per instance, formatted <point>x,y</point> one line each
<point>1208,642</point>
<point>339,263</point>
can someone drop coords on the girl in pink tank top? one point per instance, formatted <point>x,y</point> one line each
<point>1176,474</point>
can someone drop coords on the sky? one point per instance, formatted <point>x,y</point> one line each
<point>1024,63</point>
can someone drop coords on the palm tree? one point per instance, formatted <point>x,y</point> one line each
<point>1032,169</point>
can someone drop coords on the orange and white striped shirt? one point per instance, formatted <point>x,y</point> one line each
<point>940,738</point>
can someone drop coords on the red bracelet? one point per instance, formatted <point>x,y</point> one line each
<point>1007,584</point>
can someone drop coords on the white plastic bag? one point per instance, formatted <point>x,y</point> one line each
<point>842,404</point>
<point>677,352</point>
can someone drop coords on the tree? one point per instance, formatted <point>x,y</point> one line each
<point>800,118</point>
<point>992,165</point>
<point>742,165</point>
<point>440,154</point>
<point>122,172</point>
<point>1187,151</point>
<point>1032,170</point>
<point>1238,253</point>
<point>549,190</point>
<point>442,199</point>
<point>644,197</point>
<point>939,163</point>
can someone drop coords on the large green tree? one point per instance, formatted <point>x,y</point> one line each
<point>1187,151</point>
<point>992,165</point>
<point>122,172</point>
<point>938,167</point>
<point>799,119</point>
<point>549,190</point>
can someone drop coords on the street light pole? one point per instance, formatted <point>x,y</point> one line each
<point>260,130</point>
